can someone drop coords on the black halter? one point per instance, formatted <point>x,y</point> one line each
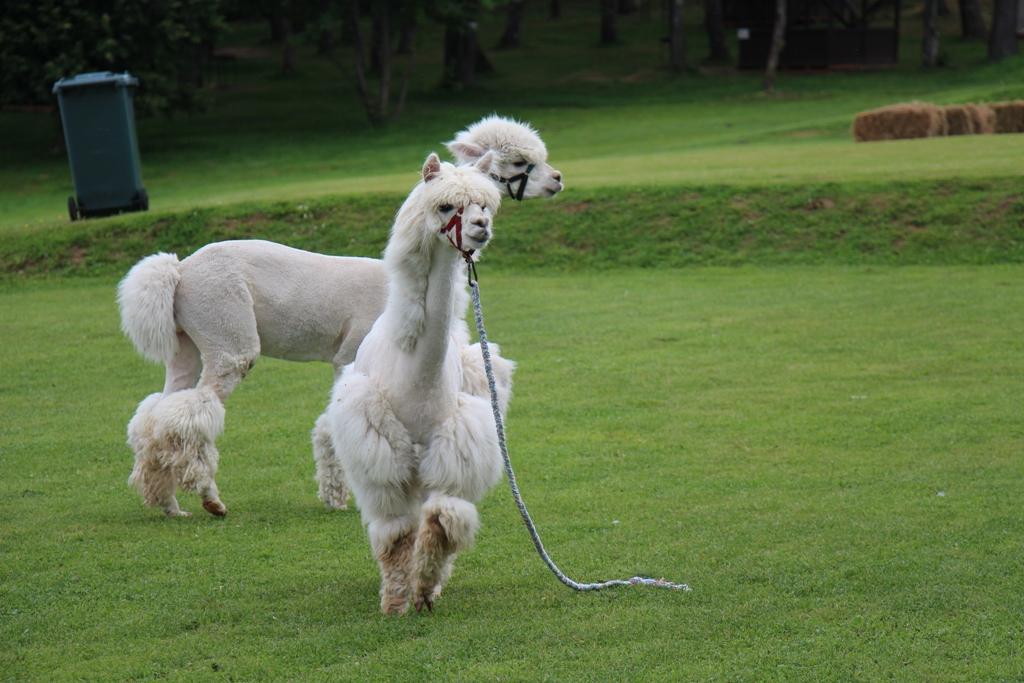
<point>522,178</point>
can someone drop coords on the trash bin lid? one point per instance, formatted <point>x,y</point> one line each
<point>95,78</point>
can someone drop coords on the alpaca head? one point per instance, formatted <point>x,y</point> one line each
<point>520,167</point>
<point>459,202</point>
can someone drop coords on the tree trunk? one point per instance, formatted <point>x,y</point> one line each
<point>943,8</point>
<point>1002,42</point>
<point>359,64</point>
<point>718,50</point>
<point>287,47</point>
<point>407,31</point>
<point>409,63</point>
<point>382,23</point>
<point>972,24</point>
<point>483,64</point>
<point>608,9</point>
<point>930,34</point>
<point>555,10</point>
<point>628,6</point>
<point>324,42</point>
<point>462,54</point>
<point>275,18</point>
<point>467,67</point>
<point>325,35</point>
<point>513,23</point>
<point>346,32</point>
<point>676,36</point>
<point>778,42</point>
<point>452,54</point>
<point>378,103</point>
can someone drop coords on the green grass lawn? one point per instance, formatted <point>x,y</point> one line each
<point>830,456</point>
<point>822,439</point>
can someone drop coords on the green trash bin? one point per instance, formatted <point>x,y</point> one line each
<point>99,131</point>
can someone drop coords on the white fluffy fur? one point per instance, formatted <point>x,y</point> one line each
<point>210,316</point>
<point>515,144</point>
<point>417,449</point>
<point>172,436</point>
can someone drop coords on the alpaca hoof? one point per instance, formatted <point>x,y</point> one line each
<point>215,508</point>
<point>424,601</point>
<point>177,513</point>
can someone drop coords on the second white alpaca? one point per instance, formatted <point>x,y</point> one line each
<point>417,450</point>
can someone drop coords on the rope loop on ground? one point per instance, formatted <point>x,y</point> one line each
<point>517,496</point>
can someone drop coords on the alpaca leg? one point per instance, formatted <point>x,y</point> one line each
<point>392,541</point>
<point>184,426</point>
<point>155,482</point>
<point>446,573</point>
<point>183,370</point>
<point>330,476</point>
<point>447,526</point>
<point>221,372</point>
<point>379,459</point>
<point>153,479</point>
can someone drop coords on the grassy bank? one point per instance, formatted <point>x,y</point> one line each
<point>829,456</point>
<point>927,222</point>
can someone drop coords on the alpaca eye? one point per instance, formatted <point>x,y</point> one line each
<point>445,208</point>
<point>520,163</point>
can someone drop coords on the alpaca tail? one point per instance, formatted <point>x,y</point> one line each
<point>146,299</point>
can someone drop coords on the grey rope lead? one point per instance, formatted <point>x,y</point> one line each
<point>499,423</point>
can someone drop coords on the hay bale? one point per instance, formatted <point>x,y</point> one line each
<point>899,122</point>
<point>958,120</point>
<point>969,119</point>
<point>1009,116</point>
<point>983,119</point>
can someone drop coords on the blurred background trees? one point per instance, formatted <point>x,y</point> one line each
<point>170,44</point>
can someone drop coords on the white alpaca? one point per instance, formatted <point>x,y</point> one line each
<point>209,317</point>
<point>418,450</point>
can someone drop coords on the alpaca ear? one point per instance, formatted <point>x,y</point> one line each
<point>431,167</point>
<point>465,151</point>
<point>485,162</point>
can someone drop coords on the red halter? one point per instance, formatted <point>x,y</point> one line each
<point>454,226</point>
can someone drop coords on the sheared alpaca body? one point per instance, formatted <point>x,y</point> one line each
<point>417,449</point>
<point>209,317</point>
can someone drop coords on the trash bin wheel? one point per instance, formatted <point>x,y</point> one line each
<point>73,209</point>
<point>144,200</point>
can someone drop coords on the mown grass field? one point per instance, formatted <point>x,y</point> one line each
<point>753,356</point>
<point>829,456</point>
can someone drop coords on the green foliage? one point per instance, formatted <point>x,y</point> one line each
<point>829,456</point>
<point>167,45</point>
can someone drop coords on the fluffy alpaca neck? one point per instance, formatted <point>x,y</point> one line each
<point>438,309</point>
<point>420,309</point>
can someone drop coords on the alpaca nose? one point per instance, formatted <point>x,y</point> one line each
<point>482,222</point>
<point>557,175</point>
